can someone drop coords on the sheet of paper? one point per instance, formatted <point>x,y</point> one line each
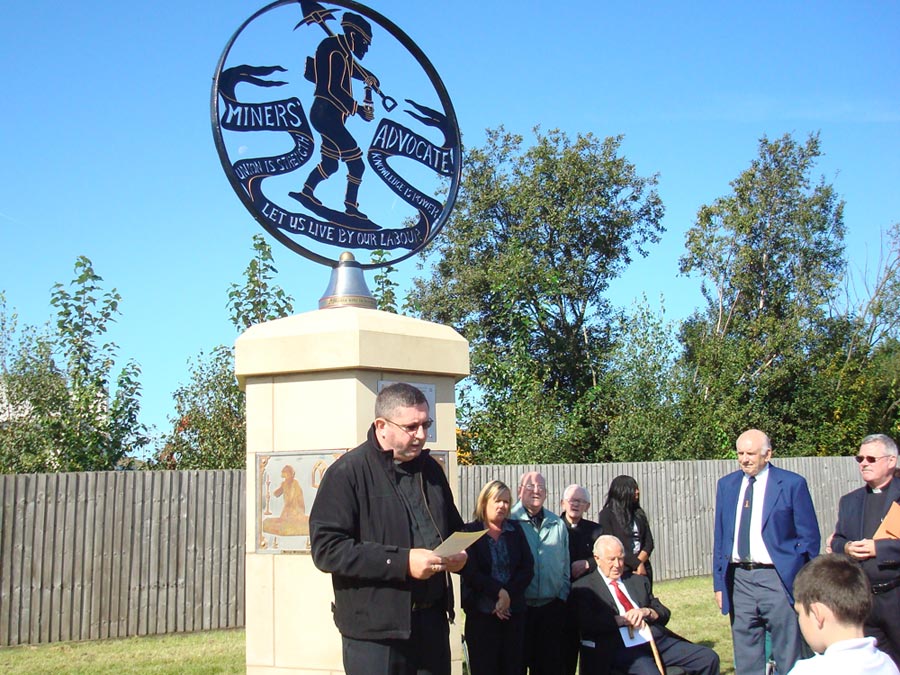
<point>458,541</point>
<point>640,637</point>
<point>890,526</point>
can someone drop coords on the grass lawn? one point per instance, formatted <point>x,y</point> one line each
<point>694,616</point>
<point>178,653</point>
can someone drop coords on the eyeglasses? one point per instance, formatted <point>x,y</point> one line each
<point>532,487</point>
<point>869,459</point>
<point>412,429</point>
<point>577,502</point>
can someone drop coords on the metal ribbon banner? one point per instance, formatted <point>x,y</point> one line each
<point>390,140</point>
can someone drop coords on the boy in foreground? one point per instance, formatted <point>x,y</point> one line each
<point>832,598</point>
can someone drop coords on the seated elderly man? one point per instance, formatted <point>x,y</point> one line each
<point>609,606</point>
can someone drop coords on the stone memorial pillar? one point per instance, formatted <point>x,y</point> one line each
<point>311,382</point>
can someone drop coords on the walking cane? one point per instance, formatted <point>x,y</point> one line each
<point>659,663</point>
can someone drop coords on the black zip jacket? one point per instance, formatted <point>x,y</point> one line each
<point>360,533</point>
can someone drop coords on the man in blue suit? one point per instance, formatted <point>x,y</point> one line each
<point>765,531</point>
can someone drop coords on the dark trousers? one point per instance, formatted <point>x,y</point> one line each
<point>426,652</point>
<point>759,604</point>
<point>597,654</point>
<point>571,642</point>
<point>672,652</point>
<point>883,623</point>
<point>495,646</point>
<point>544,628</point>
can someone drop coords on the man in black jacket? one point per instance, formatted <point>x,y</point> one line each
<point>379,513</point>
<point>860,514</point>
<point>611,608</point>
<point>582,535</point>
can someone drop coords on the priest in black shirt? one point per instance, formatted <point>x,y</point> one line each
<point>860,514</point>
<point>582,535</point>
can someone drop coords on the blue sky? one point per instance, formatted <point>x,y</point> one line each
<point>108,149</point>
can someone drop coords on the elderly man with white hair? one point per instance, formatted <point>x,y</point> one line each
<point>613,606</point>
<point>546,596</point>
<point>582,534</point>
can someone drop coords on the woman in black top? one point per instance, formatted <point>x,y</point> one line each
<point>623,517</point>
<point>494,580</point>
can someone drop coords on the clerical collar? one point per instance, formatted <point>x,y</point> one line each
<point>569,523</point>
<point>878,490</point>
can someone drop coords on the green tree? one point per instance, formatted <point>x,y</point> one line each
<point>258,300</point>
<point>65,408</point>
<point>860,381</point>
<point>880,320</point>
<point>536,237</point>
<point>641,390</point>
<point>770,256</point>
<point>209,421</point>
<point>32,391</point>
<point>385,287</point>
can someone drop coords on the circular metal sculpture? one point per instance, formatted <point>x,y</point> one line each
<point>336,131</point>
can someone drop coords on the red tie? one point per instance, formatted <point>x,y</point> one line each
<point>621,596</point>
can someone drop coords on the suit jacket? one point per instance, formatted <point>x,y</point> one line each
<point>596,610</point>
<point>790,529</point>
<point>851,512</point>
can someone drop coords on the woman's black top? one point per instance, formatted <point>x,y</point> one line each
<point>492,565</point>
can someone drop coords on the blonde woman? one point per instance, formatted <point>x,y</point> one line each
<point>499,568</point>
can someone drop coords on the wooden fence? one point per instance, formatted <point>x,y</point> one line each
<point>679,498</point>
<point>86,556</point>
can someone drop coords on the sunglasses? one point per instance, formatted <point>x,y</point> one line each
<point>868,459</point>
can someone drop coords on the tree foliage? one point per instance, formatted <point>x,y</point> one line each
<point>537,235</point>
<point>643,383</point>
<point>385,287</point>
<point>258,300</point>
<point>64,408</point>
<point>769,350</point>
<point>860,381</point>
<point>559,375</point>
<point>772,250</point>
<point>209,419</point>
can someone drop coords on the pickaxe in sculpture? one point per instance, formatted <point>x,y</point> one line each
<point>313,12</point>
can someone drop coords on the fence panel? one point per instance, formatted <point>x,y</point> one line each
<point>98,555</point>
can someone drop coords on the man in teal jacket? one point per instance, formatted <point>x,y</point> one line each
<point>546,596</point>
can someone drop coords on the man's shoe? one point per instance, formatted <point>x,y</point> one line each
<point>353,210</point>
<point>306,194</point>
